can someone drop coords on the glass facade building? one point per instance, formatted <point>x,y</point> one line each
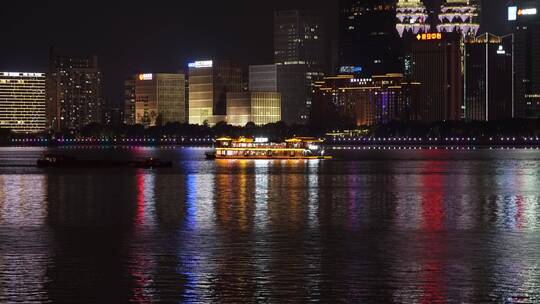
<point>299,38</point>
<point>488,78</point>
<point>239,108</point>
<point>159,99</point>
<point>209,83</point>
<point>265,107</point>
<point>368,38</point>
<point>436,64</point>
<point>524,16</point>
<point>294,82</point>
<point>260,108</point>
<point>22,102</point>
<point>300,56</point>
<point>263,78</point>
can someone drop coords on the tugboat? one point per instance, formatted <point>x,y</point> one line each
<point>63,161</point>
<point>262,148</point>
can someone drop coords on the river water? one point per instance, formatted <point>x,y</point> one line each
<point>423,226</point>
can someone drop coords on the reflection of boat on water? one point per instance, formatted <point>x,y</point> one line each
<point>261,148</point>
<point>63,161</point>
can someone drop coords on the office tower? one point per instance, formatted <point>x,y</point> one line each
<point>351,101</point>
<point>412,17</point>
<point>368,38</point>
<point>74,91</point>
<point>159,99</point>
<point>239,108</point>
<point>525,19</point>
<point>265,107</point>
<point>299,38</point>
<point>300,54</point>
<point>22,102</point>
<point>260,108</point>
<point>436,64</point>
<point>209,83</point>
<point>488,78</point>
<point>295,84</point>
<point>129,101</point>
<point>263,78</point>
<point>459,16</point>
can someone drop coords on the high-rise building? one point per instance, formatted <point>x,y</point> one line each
<point>265,107</point>
<point>368,38</point>
<point>74,91</point>
<point>22,102</point>
<point>263,78</point>
<point>238,108</point>
<point>159,99</point>
<point>261,108</point>
<point>295,84</point>
<point>299,38</point>
<point>488,78</point>
<point>209,83</point>
<point>436,64</point>
<point>525,18</point>
<point>300,56</point>
<point>129,101</point>
<point>364,101</point>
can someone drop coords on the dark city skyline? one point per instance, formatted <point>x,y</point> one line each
<point>159,37</point>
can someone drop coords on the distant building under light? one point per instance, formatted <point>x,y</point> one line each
<point>22,102</point>
<point>488,78</point>
<point>260,108</point>
<point>363,102</point>
<point>159,99</point>
<point>436,64</point>
<point>74,91</point>
<point>129,101</point>
<point>368,37</point>
<point>525,22</point>
<point>209,83</point>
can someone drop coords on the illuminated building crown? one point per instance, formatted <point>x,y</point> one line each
<point>412,17</point>
<point>459,16</point>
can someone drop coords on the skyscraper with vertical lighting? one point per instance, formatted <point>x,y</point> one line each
<point>488,78</point>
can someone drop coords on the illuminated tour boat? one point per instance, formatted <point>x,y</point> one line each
<point>262,148</point>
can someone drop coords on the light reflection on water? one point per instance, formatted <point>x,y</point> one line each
<point>421,227</point>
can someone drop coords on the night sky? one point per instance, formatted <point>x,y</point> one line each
<point>157,36</point>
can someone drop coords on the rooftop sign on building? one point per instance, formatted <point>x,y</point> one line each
<point>146,77</point>
<point>515,12</point>
<point>429,36</point>
<point>201,64</point>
